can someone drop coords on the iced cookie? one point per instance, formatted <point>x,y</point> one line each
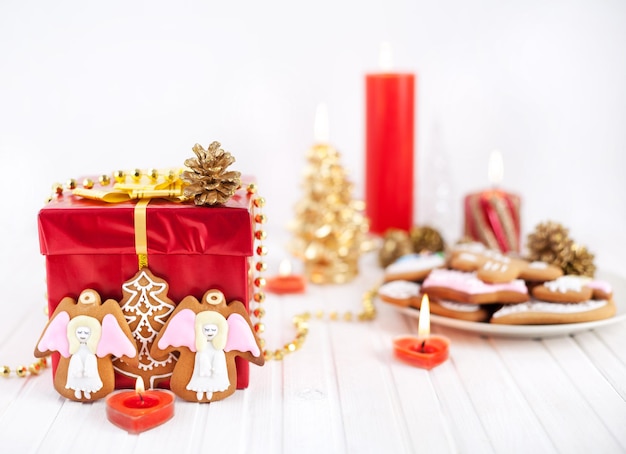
<point>454,309</point>
<point>566,289</point>
<point>536,312</point>
<point>86,333</point>
<point>413,267</point>
<point>468,288</point>
<point>494,267</point>
<point>208,335</point>
<point>400,292</point>
<point>539,271</point>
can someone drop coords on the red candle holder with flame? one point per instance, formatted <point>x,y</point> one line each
<point>139,410</point>
<point>424,351</point>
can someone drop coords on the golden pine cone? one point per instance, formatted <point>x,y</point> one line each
<point>426,239</point>
<point>209,182</point>
<point>581,262</point>
<point>396,243</point>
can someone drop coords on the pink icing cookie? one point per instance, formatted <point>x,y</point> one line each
<point>468,288</point>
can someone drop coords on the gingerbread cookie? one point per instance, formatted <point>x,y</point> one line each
<point>538,271</point>
<point>536,312</point>
<point>414,267</point>
<point>465,287</point>
<point>400,292</point>
<point>208,335</point>
<point>566,289</point>
<point>86,333</point>
<point>146,307</point>
<point>494,267</point>
<point>460,311</point>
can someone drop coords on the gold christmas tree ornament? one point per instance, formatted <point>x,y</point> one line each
<point>330,228</point>
<point>209,181</point>
<point>551,243</point>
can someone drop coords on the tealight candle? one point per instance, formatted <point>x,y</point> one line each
<point>140,410</point>
<point>285,282</point>
<point>424,351</point>
<point>493,216</point>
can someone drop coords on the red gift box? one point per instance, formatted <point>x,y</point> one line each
<point>91,244</point>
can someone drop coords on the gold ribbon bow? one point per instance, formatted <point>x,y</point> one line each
<point>145,188</point>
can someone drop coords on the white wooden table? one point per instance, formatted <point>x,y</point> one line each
<point>345,392</point>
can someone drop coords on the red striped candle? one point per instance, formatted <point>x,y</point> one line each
<point>493,216</point>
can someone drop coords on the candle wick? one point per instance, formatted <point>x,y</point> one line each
<point>141,397</point>
<point>423,346</point>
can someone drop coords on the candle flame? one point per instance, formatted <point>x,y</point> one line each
<point>423,326</point>
<point>320,128</point>
<point>385,57</point>
<point>496,168</point>
<point>139,385</point>
<point>284,268</point>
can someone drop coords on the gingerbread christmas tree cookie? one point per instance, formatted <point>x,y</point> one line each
<point>146,308</point>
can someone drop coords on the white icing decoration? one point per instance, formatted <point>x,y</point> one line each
<point>399,289</point>
<point>538,265</point>
<point>459,307</point>
<point>467,257</point>
<point>549,308</point>
<point>567,284</point>
<point>495,266</point>
<point>415,262</point>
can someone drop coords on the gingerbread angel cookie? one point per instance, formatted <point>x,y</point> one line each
<point>209,335</point>
<point>86,333</point>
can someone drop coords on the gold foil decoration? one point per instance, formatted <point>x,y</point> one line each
<point>329,228</point>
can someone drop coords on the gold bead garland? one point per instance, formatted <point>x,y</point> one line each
<point>300,321</point>
<point>34,368</point>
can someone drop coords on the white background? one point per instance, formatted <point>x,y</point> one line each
<point>91,87</point>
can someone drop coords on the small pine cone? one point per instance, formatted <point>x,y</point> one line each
<point>581,262</point>
<point>396,243</point>
<point>426,239</point>
<point>209,182</point>
<point>550,243</point>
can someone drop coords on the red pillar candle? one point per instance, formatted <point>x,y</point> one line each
<point>390,100</point>
<point>424,351</point>
<point>493,216</point>
<point>139,410</point>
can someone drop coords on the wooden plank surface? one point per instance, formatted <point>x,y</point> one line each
<point>344,391</point>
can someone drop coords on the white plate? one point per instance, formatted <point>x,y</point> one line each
<point>535,331</point>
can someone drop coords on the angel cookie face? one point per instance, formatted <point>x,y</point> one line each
<point>208,335</point>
